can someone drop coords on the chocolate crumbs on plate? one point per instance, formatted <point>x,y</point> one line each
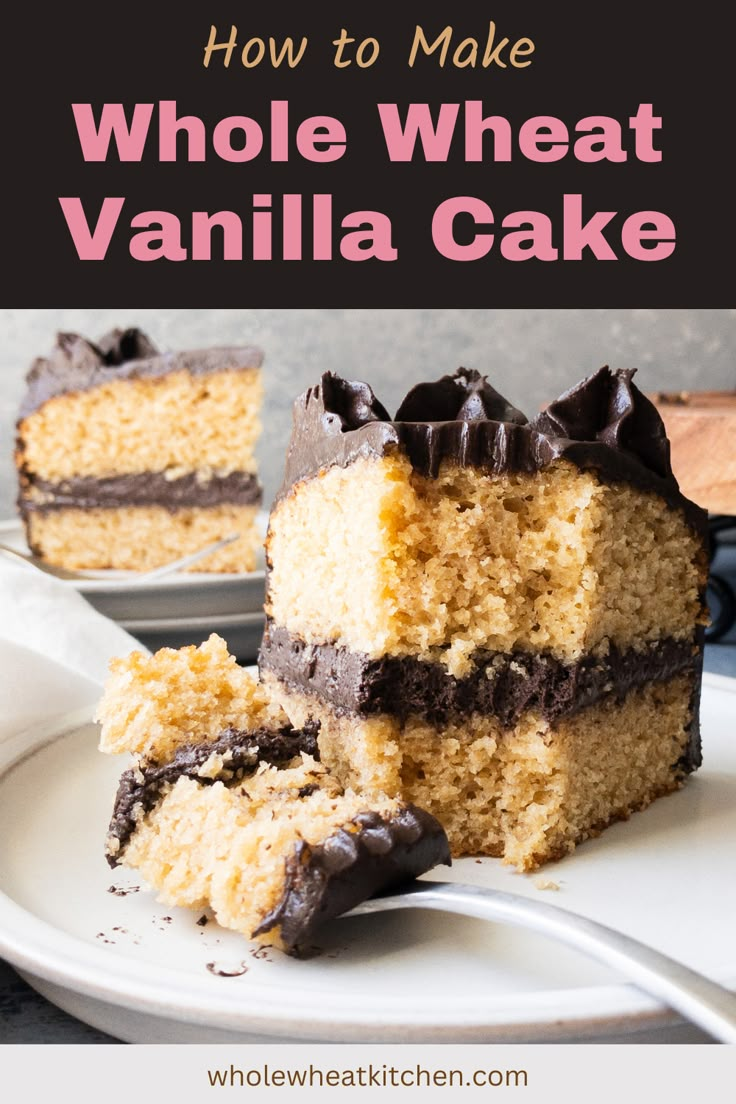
<point>220,971</point>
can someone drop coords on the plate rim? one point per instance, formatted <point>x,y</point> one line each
<point>215,622</point>
<point>38,949</point>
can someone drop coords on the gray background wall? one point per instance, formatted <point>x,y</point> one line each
<point>530,355</point>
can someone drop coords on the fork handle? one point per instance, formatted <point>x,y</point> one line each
<point>704,1002</point>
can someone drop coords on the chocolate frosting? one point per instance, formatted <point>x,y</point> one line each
<point>78,364</point>
<point>142,787</point>
<point>378,855</point>
<point>605,424</point>
<point>692,757</point>
<point>608,408</point>
<point>504,686</point>
<point>465,397</point>
<point>138,489</point>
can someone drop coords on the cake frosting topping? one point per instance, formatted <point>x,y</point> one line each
<point>467,396</point>
<point>373,854</point>
<point>347,404</point>
<point>75,363</point>
<point>78,364</point>
<point>607,407</point>
<point>604,424</point>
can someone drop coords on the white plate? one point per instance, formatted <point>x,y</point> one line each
<point>139,970</point>
<point>183,595</point>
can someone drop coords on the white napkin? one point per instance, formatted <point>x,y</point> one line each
<point>54,648</point>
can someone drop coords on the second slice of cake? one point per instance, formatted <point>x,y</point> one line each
<point>498,620</point>
<point>129,458</point>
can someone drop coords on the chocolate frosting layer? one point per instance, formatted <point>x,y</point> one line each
<point>139,489</point>
<point>692,757</point>
<point>604,424</point>
<point>501,685</point>
<point>350,866</point>
<point>142,787</point>
<point>78,364</point>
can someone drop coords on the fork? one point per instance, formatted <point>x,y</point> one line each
<point>40,564</point>
<point>696,997</point>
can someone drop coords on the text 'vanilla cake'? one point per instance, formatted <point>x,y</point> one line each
<point>499,620</point>
<point>129,458</point>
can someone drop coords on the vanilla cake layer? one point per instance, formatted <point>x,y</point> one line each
<point>177,423</point>
<point>553,561</point>
<point>528,792</point>
<point>154,703</point>
<point>141,538</point>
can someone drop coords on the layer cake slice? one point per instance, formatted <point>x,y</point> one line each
<point>129,458</point>
<point>497,619</point>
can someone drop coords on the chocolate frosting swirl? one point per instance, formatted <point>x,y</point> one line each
<point>465,397</point>
<point>604,424</point>
<point>78,364</point>
<point>607,407</point>
<point>349,404</point>
<point>380,854</point>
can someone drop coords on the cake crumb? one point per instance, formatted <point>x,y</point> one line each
<point>546,883</point>
<point>260,954</point>
<point>123,891</point>
<point>227,971</point>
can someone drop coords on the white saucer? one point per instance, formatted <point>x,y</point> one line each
<point>139,970</point>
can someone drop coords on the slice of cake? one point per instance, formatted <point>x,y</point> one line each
<point>129,459</point>
<point>497,619</point>
<point>227,806</point>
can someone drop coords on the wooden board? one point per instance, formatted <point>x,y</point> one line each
<point>701,426</point>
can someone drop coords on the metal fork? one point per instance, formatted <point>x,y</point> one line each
<point>704,1002</point>
<point>30,560</point>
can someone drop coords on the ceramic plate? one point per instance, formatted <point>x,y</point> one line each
<point>181,596</point>
<point>96,942</point>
